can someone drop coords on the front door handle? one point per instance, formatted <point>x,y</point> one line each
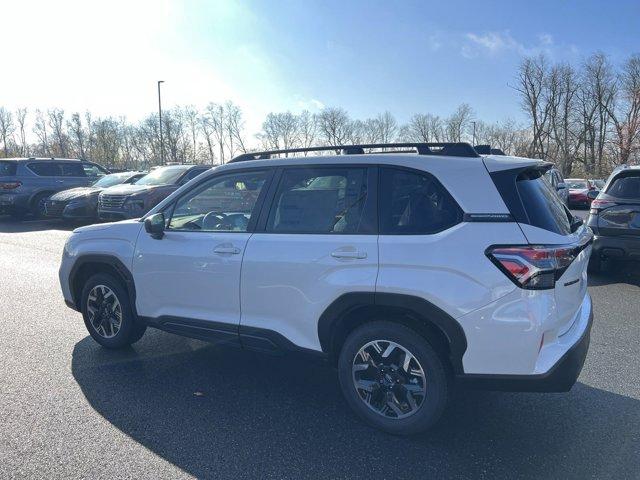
<point>348,254</point>
<point>230,249</point>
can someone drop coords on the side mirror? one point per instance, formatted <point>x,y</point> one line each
<point>154,225</point>
<point>592,194</point>
<point>561,186</point>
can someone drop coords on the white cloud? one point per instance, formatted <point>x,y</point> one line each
<point>309,104</point>
<point>496,43</point>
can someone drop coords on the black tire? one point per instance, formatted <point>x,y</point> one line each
<point>437,381</point>
<point>595,264</point>
<point>37,205</point>
<point>131,330</point>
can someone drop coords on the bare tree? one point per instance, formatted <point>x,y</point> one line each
<point>307,129</point>
<point>457,124</point>
<point>334,126</point>
<point>191,118</point>
<point>6,129</point>
<point>58,135</point>
<point>77,135</point>
<point>531,83</point>
<point>40,130</point>
<point>625,112</point>
<point>234,129</point>
<point>423,127</point>
<point>279,131</point>
<point>21,118</point>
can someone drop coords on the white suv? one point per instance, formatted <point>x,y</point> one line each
<point>407,270</point>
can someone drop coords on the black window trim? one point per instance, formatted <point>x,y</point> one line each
<point>169,208</point>
<point>464,216</point>
<point>369,210</point>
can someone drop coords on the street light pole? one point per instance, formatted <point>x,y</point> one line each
<point>474,132</point>
<point>160,115</point>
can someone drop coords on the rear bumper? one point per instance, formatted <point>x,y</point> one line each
<point>559,378</point>
<point>616,247</point>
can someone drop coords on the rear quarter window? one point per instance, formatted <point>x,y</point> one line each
<point>8,168</point>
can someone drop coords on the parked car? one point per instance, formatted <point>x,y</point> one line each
<point>598,183</point>
<point>26,183</point>
<point>81,203</point>
<point>395,267</point>
<point>554,177</point>
<point>614,217</point>
<point>132,201</point>
<point>578,188</point>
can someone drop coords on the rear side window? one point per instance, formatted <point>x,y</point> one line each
<point>320,200</point>
<point>414,203</point>
<point>627,187</point>
<point>542,205</point>
<point>92,170</point>
<point>46,169</point>
<point>8,168</point>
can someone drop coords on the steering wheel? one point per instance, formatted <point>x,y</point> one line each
<point>213,220</point>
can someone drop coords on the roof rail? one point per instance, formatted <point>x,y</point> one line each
<point>445,149</point>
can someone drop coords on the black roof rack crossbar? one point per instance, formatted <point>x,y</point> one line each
<point>444,149</point>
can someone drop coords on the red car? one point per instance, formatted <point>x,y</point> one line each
<point>578,188</point>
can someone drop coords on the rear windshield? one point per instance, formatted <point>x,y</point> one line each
<point>7,168</point>
<point>577,183</point>
<point>542,204</point>
<point>625,187</point>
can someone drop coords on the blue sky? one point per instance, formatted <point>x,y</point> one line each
<point>366,56</point>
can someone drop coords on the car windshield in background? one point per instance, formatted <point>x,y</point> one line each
<point>577,184</point>
<point>627,187</point>
<point>110,180</point>
<point>543,206</point>
<point>7,168</point>
<point>163,176</point>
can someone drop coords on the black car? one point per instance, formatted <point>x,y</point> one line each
<point>132,201</point>
<point>82,203</point>
<point>615,217</point>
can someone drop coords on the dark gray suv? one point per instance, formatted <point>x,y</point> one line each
<point>26,183</point>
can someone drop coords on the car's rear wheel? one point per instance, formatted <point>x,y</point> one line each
<point>393,378</point>
<point>37,205</point>
<point>108,314</point>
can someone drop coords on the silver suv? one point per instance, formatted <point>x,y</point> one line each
<point>26,183</point>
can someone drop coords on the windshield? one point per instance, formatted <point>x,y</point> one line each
<point>113,179</point>
<point>577,184</point>
<point>163,176</point>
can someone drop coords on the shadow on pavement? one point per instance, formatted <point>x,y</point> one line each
<point>226,413</point>
<point>9,225</point>
<point>616,272</point>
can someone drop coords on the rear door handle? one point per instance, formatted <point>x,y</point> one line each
<point>227,249</point>
<point>347,254</point>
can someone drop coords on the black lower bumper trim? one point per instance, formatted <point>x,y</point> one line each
<point>616,246</point>
<point>560,378</point>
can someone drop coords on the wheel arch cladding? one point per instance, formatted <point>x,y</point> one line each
<point>353,309</point>
<point>88,265</point>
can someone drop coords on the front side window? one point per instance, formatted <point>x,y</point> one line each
<point>319,200</point>
<point>414,203</point>
<point>224,204</point>
<point>92,170</point>
<point>72,170</point>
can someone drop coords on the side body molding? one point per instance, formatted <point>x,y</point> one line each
<point>417,308</point>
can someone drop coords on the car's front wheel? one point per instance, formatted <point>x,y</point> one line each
<point>108,314</point>
<point>393,378</point>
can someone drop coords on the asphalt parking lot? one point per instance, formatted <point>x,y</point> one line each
<point>178,408</point>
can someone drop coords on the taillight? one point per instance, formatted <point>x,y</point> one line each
<point>599,204</point>
<point>10,185</point>
<point>534,267</point>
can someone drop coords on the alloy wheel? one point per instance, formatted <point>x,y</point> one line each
<point>104,311</point>
<point>389,379</point>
